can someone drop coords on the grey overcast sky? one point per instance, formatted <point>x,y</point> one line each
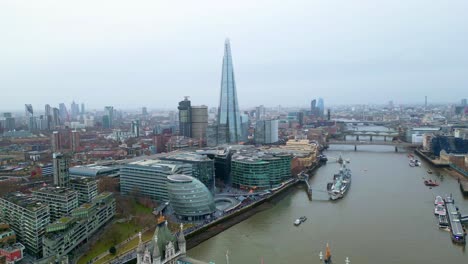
<point>151,53</point>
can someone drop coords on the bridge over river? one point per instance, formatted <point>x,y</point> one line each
<point>397,144</point>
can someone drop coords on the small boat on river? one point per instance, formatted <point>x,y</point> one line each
<point>430,183</point>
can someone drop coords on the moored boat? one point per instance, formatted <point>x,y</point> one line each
<point>429,171</point>
<point>440,210</point>
<point>443,221</point>
<point>439,200</point>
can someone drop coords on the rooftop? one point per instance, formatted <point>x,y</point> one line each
<point>180,178</point>
<point>91,170</point>
<point>163,165</point>
<point>55,190</point>
<point>25,201</point>
<point>187,156</point>
<point>81,180</point>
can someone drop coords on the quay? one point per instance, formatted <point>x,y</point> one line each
<point>235,216</point>
<point>304,178</point>
<point>464,187</point>
<point>457,232</point>
<point>436,163</point>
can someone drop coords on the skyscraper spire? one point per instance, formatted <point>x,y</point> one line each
<point>229,124</point>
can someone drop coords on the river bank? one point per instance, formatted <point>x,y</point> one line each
<point>387,216</point>
<point>212,229</point>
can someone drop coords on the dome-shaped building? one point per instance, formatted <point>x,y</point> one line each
<point>190,198</point>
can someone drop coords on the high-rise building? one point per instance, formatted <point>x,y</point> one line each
<point>63,112</point>
<point>260,112</point>
<point>9,122</point>
<point>144,111</point>
<point>109,113</point>
<point>463,102</point>
<point>136,128</point>
<point>245,124</point>
<point>185,118</point>
<point>199,123</point>
<point>61,200</point>
<point>27,217</point>
<point>75,110</point>
<point>82,109</point>
<point>229,123</point>
<point>61,173</point>
<point>266,132</point>
<point>42,123</point>
<point>48,115</point>
<point>56,142</point>
<point>30,117</point>
<point>75,140</point>
<point>313,105</point>
<point>320,107</point>
<point>55,117</point>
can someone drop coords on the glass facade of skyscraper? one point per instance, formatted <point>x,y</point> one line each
<point>229,123</point>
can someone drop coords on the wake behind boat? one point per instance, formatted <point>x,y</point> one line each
<point>340,185</point>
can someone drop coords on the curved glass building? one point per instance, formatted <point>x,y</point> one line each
<point>263,171</point>
<point>190,198</point>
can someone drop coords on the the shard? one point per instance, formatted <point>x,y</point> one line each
<point>229,123</point>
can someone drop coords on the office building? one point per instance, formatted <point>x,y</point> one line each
<point>75,110</point>
<point>260,112</point>
<point>266,132</point>
<point>82,108</point>
<point>48,115</point>
<point>85,187</point>
<point>202,167</point>
<point>93,171</point>
<point>190,198</point>
<point>29,112</point>
<point>199,123</point>
<point>61,200</point>
<point>136,128</point>
<point>55,118</point>
<point>61,171</point>
<point>252,169</point>
<point>63,113</point>
<point>75,141</point>
<point>67,233</point>
<point>27,217</point>
<point>185,118</point>
<point>10,124</point>
<point>320,107</point>
<point>245,125</point>
<point>229,123</point>
<point>148,177</point>
<point>56,141</point>
<point>108,119</point>
<point>144,111</point>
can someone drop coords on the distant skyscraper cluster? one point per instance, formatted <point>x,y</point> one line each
<point>317,108</point>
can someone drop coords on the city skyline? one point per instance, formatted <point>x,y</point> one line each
<point>331,51</point>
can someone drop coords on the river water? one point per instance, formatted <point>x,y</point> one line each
<point>387,216</point>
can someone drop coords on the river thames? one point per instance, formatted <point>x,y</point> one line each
<point>387,216</point>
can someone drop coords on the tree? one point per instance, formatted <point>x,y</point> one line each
<point>112,250</point>
<point>108,184</point>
